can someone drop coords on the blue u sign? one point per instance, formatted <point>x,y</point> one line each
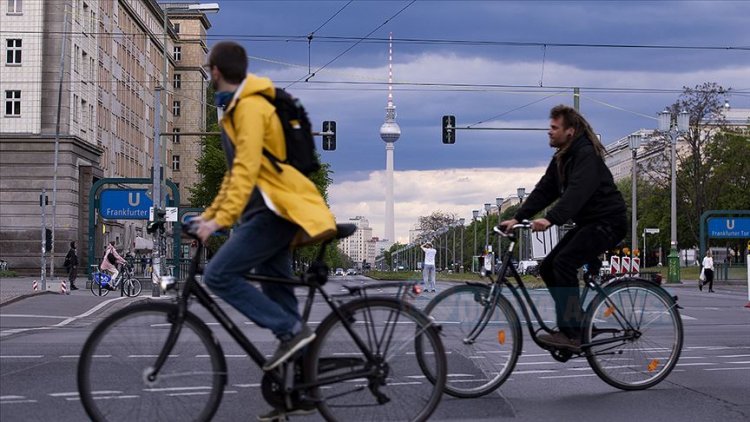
<point>729,227</point>
<point>124,204</point>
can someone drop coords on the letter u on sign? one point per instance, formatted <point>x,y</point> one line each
<point>134,199</point>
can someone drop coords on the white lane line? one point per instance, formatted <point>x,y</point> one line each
<point>11,397</point>
<point>539,371</point>
<point>16,401</point>
<point>536,363</point>
<point>21,356</point>
<point>246,385</point>
<point>200,387</point>
<point>733,356</point>
<point>687,318</point>
<point>549,377</point>
<point>696,364</point>
<point>742,362</point>
<point>72,393</point>
<point>65,322</point>
<point>725,369</point>
<point>32,316</point>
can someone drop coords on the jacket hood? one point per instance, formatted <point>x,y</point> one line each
<point>253,85</point>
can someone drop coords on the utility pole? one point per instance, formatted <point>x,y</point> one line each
<point>577,99</point>
<point>43,204</point>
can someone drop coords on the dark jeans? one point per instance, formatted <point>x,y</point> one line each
<point>559,270</point>
<point>709,278</point>
<point>72,274</point>
<point>262,244</point>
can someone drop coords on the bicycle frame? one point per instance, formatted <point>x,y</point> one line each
<point>309,280</point>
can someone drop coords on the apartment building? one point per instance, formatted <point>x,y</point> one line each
<point>104,60</point>
<point>359,246</point>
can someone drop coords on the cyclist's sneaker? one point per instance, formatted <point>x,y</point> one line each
<point>289,347</point>
<point>277,415</point>
<point>561,341</point>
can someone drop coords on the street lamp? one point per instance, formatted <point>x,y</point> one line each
<point>499,201</point>
<point>157,177</point>
<point>474,215</point>
<point>634,141</point>
<point>461,221</point>
<point>667,126</point>
<point>521,192</point>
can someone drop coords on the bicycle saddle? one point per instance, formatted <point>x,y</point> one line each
<point>345,230</point>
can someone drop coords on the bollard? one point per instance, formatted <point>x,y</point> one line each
<point>35,285</point>
<point>64,288</point>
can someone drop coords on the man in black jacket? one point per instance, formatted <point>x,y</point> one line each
<point>580,181</point>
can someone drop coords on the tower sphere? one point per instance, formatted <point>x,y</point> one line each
<point>390,132</point>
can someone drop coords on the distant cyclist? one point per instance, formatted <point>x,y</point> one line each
<point>111,261</point>
<point>580,181</point>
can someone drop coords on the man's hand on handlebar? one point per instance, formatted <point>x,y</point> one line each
<point>507,225</point>
<point>540,224</point>
<point>206,228</point>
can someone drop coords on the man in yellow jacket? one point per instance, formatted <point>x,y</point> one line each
<point>275,209</point>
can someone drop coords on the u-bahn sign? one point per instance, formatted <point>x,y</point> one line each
<point>729,227</point>
<point>124,204</point>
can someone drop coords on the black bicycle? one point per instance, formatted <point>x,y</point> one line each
<point>126,282</point>
<point>632,330</point>
<point>159,361</point>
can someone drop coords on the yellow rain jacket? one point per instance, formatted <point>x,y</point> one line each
<point>251,123</point>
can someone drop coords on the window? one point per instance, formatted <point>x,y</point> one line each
<point>176,108</point>
<point>177,28</point>
<point>15,6</point>
<point>175,163</point>
<point>176,138</point>
<point>13,51</point>
<point>177,82</point>
<point>12,103</point>
<point>75,108</point>
<point>177,54</point>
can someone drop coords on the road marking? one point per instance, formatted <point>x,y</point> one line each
<point>32,316</point>
<point>725,369</point>
<point>539,371</point>
<point>733,356</point>
<point>695,364</point>
<point>548,377</point>
<point>11,397</point>
<point>20,356</point>
<point>72,393</point>
<point>16,401</point>
<point>246,385</point>
<point>687,318</point>
<point>742,363</point>
<point>64,322</point>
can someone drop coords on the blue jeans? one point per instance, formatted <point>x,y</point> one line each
<point>428,276</point>
<point>261,243</point>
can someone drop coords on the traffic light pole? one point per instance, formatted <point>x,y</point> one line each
<point>43,204</point>
<point>450,128</point>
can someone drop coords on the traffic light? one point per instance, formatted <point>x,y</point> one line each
<point>449,129</point>
<point>47,239</point>
<point>329,137</point>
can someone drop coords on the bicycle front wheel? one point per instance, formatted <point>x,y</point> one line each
<point>131,287</point>
<point>119,356</point>
<point>647,321</point>
<point>482,344</point>
<point>388,387</point>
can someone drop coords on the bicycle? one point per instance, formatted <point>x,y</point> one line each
<point>128,285</point>
<point>632,330</point>
<point>163,362</point>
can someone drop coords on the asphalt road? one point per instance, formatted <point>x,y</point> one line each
<point>41,338</point>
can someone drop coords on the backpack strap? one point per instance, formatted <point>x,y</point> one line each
<point>274,160</point>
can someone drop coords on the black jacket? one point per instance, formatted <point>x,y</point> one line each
<point>587,192</point>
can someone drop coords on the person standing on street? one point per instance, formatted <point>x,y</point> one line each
<point>579,180</point>
<point>275,208</point>
<point>708,271</point>
<point>71,264</point>
<point>428,267</point>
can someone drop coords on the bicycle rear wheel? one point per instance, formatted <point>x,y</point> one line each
<point>120,353</point>
<point>131,287</point>
<point>480,366</point>
<point>650,355</point>
<point>98,290</point>
<point>396,390</point>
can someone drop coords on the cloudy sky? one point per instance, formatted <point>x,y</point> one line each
<point>491,64</point>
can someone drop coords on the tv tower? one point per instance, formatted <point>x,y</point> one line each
<point>389,133</point>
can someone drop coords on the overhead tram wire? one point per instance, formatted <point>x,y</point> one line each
<point>307,77</point>
<point>515,109</point>
<point>312,35</point>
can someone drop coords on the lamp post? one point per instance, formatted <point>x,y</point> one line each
<point>499,201</point>
<point>453,252</point>
<point>521,192</point>
<point>487,208</point>
<point>674,127</point>
<point>157,177</point>
<point>634,141</point>
<point>474,215</point>
<point>461,221</point>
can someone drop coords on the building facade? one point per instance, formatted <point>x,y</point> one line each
<point>359,247</point>
<point>103,59</point>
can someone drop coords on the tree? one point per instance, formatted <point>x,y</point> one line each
<point>429,225</point>
<point>704,104</point>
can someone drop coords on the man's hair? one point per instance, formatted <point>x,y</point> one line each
<point>73,244</point>
<point>571,118</point>
<point>231,60</point>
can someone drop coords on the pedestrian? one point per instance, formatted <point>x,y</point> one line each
<point>71,265</point>
<point>111,260</point>
<point>581,186</point>
<point>708,273</point>
<point>275,206</point>
<point>428,268</point>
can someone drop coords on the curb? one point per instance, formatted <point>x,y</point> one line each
<point>24,296</point>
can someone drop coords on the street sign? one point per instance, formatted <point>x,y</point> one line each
<point>729,227</point>
<point>652,231</point>
<point>124,204</point>
<point>171,214</point>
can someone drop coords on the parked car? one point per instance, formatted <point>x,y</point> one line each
<point>351,271</point>
<point>339,272</point>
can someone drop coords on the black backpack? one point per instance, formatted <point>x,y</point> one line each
<point>300,145</point>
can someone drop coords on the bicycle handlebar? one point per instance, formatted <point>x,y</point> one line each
<point>501,230</point>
